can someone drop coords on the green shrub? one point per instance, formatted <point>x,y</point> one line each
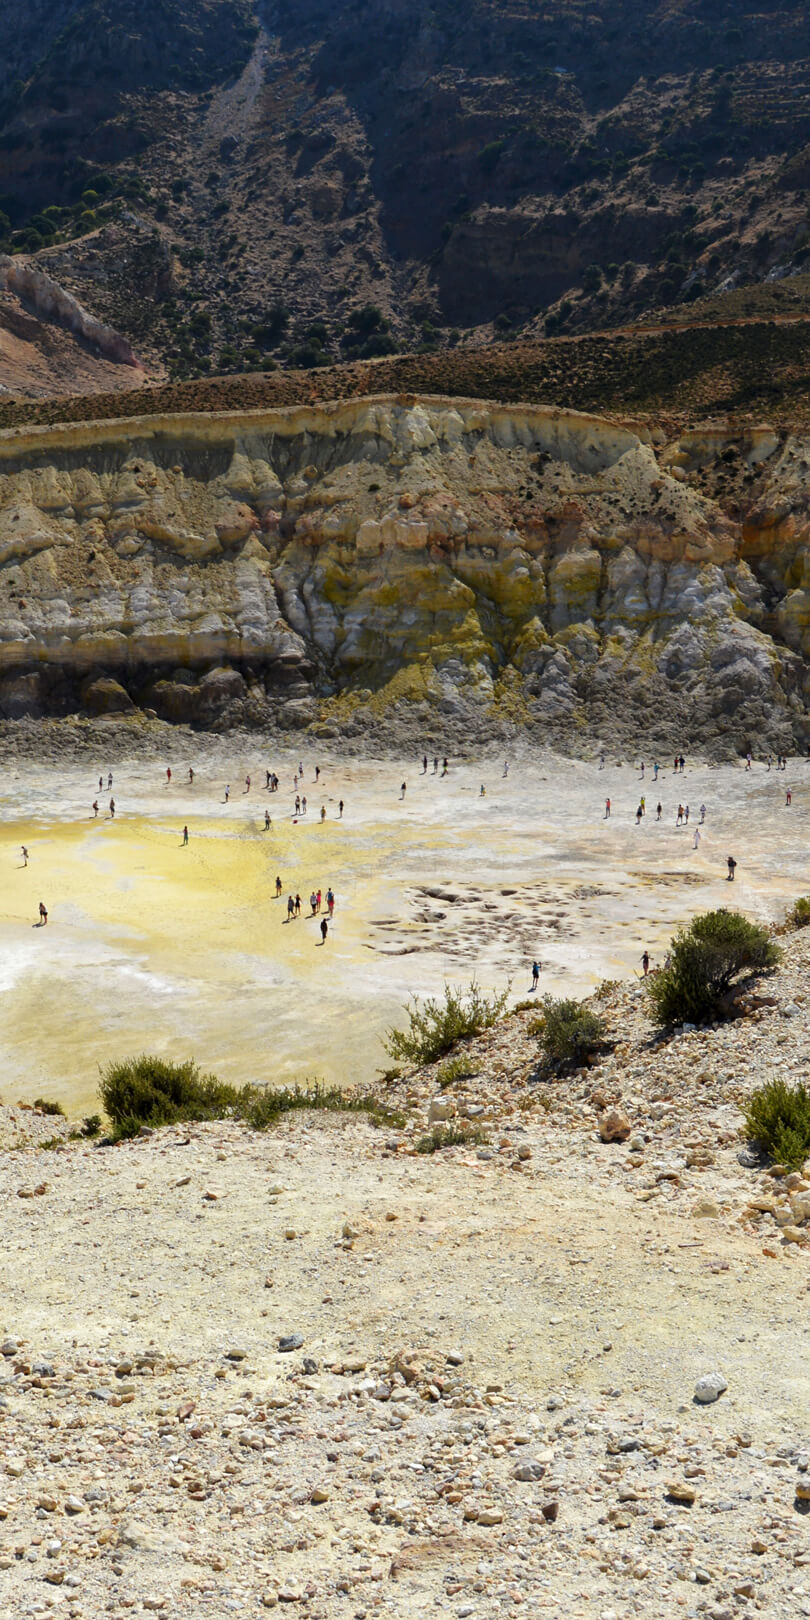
<point>458,1068</point>
<point>704,961</point>
<point>435,1027</point>
<point>799,915</point>
<point>91,1126</point>
<point>46,1107</point>
<point>777,1116</point>
<point>569,1032</point>
<point>446,1136</point>
<point>151,1091</point>
<point>148,1090</point>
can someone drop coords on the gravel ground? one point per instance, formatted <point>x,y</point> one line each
<point>488,1398</point>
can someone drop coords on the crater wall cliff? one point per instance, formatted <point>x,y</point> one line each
<point>432,561</point>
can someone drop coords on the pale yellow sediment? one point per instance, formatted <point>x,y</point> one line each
<point>186,951</point>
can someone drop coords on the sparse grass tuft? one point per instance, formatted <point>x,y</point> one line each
<point>260,1107</point>
<point>777,1116</point>
<point>606,988</point>
<point>434,1027</point>
<point>46,1107</point>
<point>150,1091</point>
<point>458,1068</point>
<point>447,1136</point>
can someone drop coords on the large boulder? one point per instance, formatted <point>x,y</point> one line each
<point>219,696</point>
<point>173,700</point>
<point>106,696</point>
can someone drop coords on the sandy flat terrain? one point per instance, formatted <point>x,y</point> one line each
<point>187,950</point>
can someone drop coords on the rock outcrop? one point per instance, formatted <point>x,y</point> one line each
<point>345,564</point>
<point>51,302</point>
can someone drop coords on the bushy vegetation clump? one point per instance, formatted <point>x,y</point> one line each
<point>570,1032</point>
<point>434,1027</point>
<point>148,1090</point>
<point>704,961</point>
<point>151,1091</point>
<point>777,1118</point>
<point>45,1106</point>
<point>799,914</point>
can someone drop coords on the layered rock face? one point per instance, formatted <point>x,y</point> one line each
<point>446,562</point>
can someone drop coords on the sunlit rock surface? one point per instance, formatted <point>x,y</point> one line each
<point>339,562</point>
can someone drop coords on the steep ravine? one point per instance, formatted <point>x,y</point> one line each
<point>409,562</point>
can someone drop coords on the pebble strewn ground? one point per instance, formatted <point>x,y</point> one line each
<point>318,1370</point>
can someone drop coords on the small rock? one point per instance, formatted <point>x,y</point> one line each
<point>614,1126</point>
<point>529,1470</point>
<point>680,1490</point>
<point>290,1341</point>
<point>441,1108</point>
<point>705,1210</point>
<point>709,1388</point>
<point>319,1495</point>
<point>236,1353</point>
<point>550,1510</point>
<point>803,1490</point>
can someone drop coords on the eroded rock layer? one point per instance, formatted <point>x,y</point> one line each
<point>421,558</point>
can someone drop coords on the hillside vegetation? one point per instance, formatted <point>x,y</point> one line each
<point>236,185</point>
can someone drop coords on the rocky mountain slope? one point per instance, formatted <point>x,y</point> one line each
<point>237,182</point>
<point>50,345</point>
<point>460,566</point>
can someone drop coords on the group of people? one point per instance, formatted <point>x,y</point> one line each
<point>316,901</point>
